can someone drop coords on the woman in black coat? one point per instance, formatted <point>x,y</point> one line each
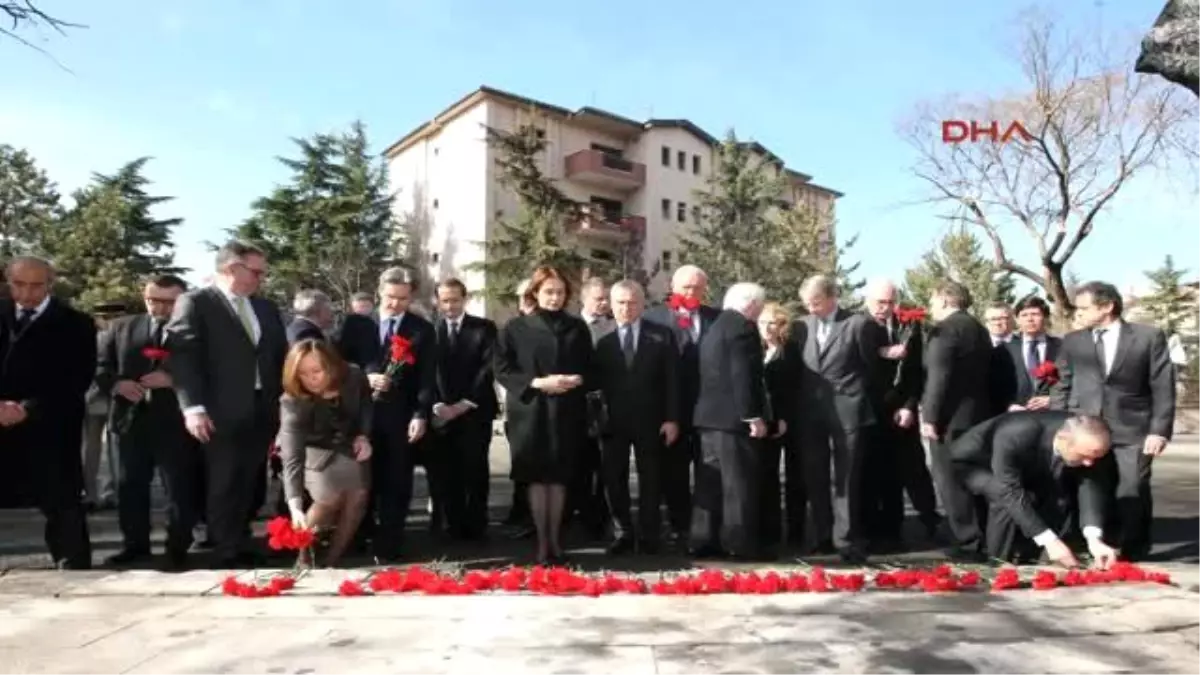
<point>782,370</point>
<point>541,361</point>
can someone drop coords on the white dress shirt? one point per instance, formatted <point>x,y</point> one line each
<point>37,311</point>
<point>635,326</point>
<point>1111,338</point>
<point>1041,349</point>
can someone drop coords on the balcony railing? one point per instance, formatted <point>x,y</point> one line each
<point>595,167</point>
<point>607,226</point>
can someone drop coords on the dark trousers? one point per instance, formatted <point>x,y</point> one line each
<point>839,509</point>
<point>1132,514</point>
<point>648,451</point>
<point>236,459</point>
<point>966,514</point>
<point>585,494</point>
<point>676,472</point>
<point>1005,541</point>
<point>60,499</point>
<point>393,460</point>
<point>156,441</point>
<point>897,465</point>
<point>459,475</point>
<point>725,515</point>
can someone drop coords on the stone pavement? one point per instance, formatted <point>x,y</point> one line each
<point>143,621</point>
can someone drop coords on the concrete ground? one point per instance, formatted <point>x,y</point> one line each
<point>142,620</point>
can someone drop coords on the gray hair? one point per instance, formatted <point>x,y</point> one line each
<point>593,283</point>
<point>821,284</point>
<point>876,288</point>
<point>236,251</point>
<point>362,296</point>
<point>1089,425</point>
<point>397,275</point>
<point>309,303</point>
<point>34,260</point>
<point>631,286</point>
<point>687,271</point>
<point>744,295</point>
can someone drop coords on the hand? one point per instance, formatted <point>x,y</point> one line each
<point>379,382</point>
<point>572,381</point>
<point>200,426</point>
<point>1154,446</point>
<point>130,390</point>
<point>1059,553</point>
<point>670,432</point>
<point>362,448</point>
<point>554,384</point>
<point>758,428</point>
<point>446,412</point>
<point>1038,403</point>
<point>299,520</point>
<point>781,430</point>
<point>1103,555</point>
<point>929,431</point>
<point>156,379</point>
<point>11,413</point>
<point>1015,408</point>
<point>416,429</point>
<point>894,352</point>
<point>904,418</point>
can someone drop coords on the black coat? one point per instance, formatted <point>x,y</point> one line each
<point>958,366</point>
<point>465,368</point>
<point>1012,381</point>
<point>689,353</point>
<point>121,358</point>
<point>642,396</point>
<point>782,373</point>
<point>902,381</point>
<point>732,385</point>
<point>303,329</point>
<point>840,382</point>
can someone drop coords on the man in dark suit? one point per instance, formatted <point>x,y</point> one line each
<point>313,316</point>
<point>1030,465</point>
<point>404,400</point>
<point>897,460</point>
<point>227,352</point>
<point>999,322</point>
<point>464,409</point>
<point>1121,372</point>
<point>147,427</point>
<point>48,353</point>
<point>1015,381</point>
<point>958,366</point>
<point>586,496</point>
<point>637,365</point>
<point>686,314</point>
<point>839,395</point>
<point>730,416</point>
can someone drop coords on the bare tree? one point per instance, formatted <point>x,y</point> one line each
<point>1093,126</point>
<point>23,15</point>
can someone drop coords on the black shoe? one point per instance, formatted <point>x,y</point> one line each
<point>73,565</point>
<point>931,523</point>
<point>621,546</point>
<point>649,547</point>
<point>705,552</point>
<point>852,555</point>
<point>823,548</point>
<point>127,556</point>
<point>175,561</point>
<point>557,560</point>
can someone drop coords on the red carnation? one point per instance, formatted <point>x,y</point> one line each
<point>910,315</point>
<point>1046,372</point>
<point>1045,580</point>
<point>401,350</point>
<point>679,302</point>
<point>155,354</point>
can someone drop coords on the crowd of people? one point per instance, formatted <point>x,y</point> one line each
<point>759,432</point>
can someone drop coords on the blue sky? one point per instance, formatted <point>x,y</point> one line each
<point>212,89</point>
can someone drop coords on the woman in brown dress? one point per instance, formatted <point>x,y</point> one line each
<point>325,423</point>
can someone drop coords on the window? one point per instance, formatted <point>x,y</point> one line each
<point>666,261</point>
<point>434,257</point>
<point>499,214</point>
<point>666,209</point>
<point>611,209</point>
<point>435,152</point>
<point>435,203</point>
<point>666,156</point>
<point>696,164</point>
<point>541,134</point>
<point>681,212</point>
<point>695,214</point>
<point>682,161</point>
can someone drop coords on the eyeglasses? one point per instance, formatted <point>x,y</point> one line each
<point>256,272</point>
<point>160,301</point>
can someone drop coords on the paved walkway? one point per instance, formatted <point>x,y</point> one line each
<point>144,621</point>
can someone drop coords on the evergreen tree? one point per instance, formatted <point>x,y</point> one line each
<point>149,240</point>
<point>29,202</point>
<point>958,256</point>
<point>1169,304</point>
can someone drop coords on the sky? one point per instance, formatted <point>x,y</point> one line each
<point>213,89</point>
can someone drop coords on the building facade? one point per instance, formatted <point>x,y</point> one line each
<point>635,178</point>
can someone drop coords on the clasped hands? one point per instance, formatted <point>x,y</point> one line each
<point>11,413</point>
<point>134,390</point>
<point>557,384</point>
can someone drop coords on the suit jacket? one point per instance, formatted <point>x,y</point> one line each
<point>689,352</point>
<point>840,381</point>
<point>1011,461</point>
<point>599,327</point>
<point>1136,398</point>
<point>464,369</point>
<point>643,395</point>
<point>958,364</point>
<point>214,363</point>
<point>732,388</point>
<point>308,442</point>
<point>1012,381</point>
<point>120,358</point>
<point>783,372</point>
<point>902,381</point>
<point>48,368</point>
<point>414,386</point>
<point>303,329</point>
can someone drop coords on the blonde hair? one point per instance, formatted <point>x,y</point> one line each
<point>774,309</point>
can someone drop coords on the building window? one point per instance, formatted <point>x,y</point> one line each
<point>435,152</point>
<point>434,257</point>
<point>696,164</point>
<point>666,261</point>
<point>666,156</point>
<point>435,203</point>
<point>681,212</point>
<point>499,214</point>
<point>682,160</point>
<point>666,209</point>
<point>541,134</point>
<point>695,214</point>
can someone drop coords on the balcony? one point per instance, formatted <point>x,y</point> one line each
<point>596,226</point>
<point>602,169</point>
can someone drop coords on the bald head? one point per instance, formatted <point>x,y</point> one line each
<point>690,281</point>
<point>880,297</point>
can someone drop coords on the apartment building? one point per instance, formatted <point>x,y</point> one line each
<point>637,179</point>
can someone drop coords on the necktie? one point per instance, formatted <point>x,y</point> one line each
<point>1032,357</point>
<point>243,308</point>
<point>390,331</point>
<point>1101,356</point>
<point>156,336</point>
<point>453,333</point>
<point>627,346</point>
<point>24,318</point>
<point>822,332</point>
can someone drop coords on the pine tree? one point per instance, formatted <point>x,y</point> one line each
<point>1169,304</point>
<point>29,202</point>
<point>958,256</point>
<point>149,239</point>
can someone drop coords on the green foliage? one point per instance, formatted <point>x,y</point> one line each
<point>330,227</point>
<point>29,202</point>
<point>748,233</point>
<point>1169,304</point>
<point>958,257</point>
